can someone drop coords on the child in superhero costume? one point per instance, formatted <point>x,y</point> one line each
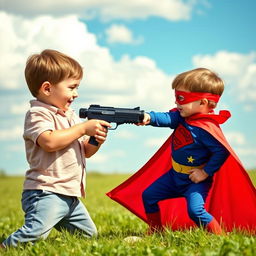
<point>193,178</point>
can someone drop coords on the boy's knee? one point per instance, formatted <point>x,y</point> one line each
<point>146,195</point>
<point>150,203</point>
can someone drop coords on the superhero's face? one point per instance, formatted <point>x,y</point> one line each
<point>190,103</point>
<point>191,108</point>
<point>184,97</point>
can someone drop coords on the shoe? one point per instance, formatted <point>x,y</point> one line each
<point>214,227</point>
<point>154,222</point>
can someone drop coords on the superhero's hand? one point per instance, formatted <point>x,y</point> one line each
<point>197,175</point>
<point>146,120</point>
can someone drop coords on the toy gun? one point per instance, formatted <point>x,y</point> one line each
<point>111,115</point>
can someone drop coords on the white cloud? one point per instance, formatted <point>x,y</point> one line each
<point>226,63</point>
<point>28,36</point>
<point>235,138</point>
<point>128,82</point>
<point>121,34</point>
<point>155,142</point>
<point>19,109</point>
<point>99,158</point>
<point>237,70</point>
<point>105,9</point>
<point>125,82</point>
<point>243,147</point>
<point>104,158</point>
<point>247,152</point>
<point>17,148</point>
<point>12,133</point>
<point>247,156</point>
<point>248,83</point>
<point>125,134</point>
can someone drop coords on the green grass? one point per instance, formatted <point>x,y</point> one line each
<point>114,223</point>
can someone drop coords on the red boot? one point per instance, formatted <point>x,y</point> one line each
<point>214,227</point>
<point>154,222</point>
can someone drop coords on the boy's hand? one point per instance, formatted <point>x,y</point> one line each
<point>198,175</point>
<point>97,128</point>
<point>100,138</point>
<point>146,120</point>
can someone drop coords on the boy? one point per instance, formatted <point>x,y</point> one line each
<point>195,159</point>
<point>56,149</point>
<point>194,176</point>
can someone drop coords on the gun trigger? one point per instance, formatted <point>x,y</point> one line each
<point>113,128</point>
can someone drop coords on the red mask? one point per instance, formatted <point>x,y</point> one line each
<point>187,97</point>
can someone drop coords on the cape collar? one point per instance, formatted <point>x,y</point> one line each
<point>220,118</point>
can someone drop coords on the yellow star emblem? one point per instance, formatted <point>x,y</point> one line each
<point>190,159</point>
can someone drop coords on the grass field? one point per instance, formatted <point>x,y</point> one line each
<point>114,223</point>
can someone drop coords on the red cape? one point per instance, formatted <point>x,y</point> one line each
<point>231,200</point>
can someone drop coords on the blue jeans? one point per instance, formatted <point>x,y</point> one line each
<point>45,210</point>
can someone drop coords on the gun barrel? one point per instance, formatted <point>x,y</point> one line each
<point>111,114</point>
<point>83,112</point>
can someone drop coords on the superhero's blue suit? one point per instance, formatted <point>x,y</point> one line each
<point>191,146</point>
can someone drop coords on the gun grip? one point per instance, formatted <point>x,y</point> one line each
<point>93,141</point>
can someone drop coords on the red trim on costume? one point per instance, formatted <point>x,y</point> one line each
<point>231,200</point>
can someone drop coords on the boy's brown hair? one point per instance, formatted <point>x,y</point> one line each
<point>199,80</point>
<point>52,66</point>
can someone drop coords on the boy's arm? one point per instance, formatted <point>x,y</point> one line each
<point>56,140</point>
<point>219,154</point>
<point>161,119</point>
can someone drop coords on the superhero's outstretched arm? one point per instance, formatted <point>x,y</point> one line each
<point>164,119</point>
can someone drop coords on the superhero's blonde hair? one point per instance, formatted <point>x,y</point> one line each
<point>200,80</point>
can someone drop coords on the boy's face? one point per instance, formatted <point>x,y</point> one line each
<point>61,95</point>
<point>190,108</point>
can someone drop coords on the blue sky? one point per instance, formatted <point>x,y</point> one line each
<point>130,51</point>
